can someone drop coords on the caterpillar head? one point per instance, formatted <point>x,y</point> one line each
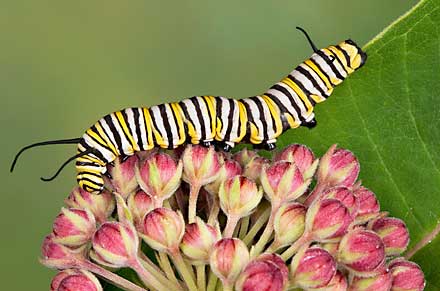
<point>354,57</point>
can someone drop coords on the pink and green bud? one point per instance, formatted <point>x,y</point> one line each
<point>393,233</point>
<point>123,178</point>
<point>239,196</point>
<point>163,229</point>
<point>338,167</point>
<point>116,244</point>
<point>338,283</point>
<point>362,252</point>
<point>327,220</point>
<point>379,282</point>
<point>201,165</point>
<point>139,203</point>
<point>331,247</point>
<point>228,258</point>
<point>407,276</point>
<point>74,227</point>
<point>312,268</point>
<point>369,207</point>
<point>283,182</point>
<point>344,195</point>
<point>159,176</point>
<point>101,205</point>
<point>267,272</point>
<point>60,276</point>
<point>198,240</point>
<point>244,156</point>
<point>289,223</point>
<point>229,169</point>
<point>56,255</point>
<point>253,168</point>
<point>301,156</point>
<point>78,280</point>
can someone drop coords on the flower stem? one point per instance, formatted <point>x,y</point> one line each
<point>151,281</point>
<point>212,282</point>
<point>305,239</point>
<point>166,266</point>
<point>244,226</point>
<point>157,272</point>
<point>256,227</point>
<point>319,188</point>
<point>230,225</point>
<point>186,274</point>
<point>193,195</point>
<point>109,276</point>
<point>214,211</point>
<point>201,279</point>
<point>258,247</point>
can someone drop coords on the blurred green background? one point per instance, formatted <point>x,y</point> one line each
<point>64,64</point>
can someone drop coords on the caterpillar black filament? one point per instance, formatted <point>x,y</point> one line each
<point>213,119</point>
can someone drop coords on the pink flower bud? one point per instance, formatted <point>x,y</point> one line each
<point>101,205</point>
<point>393,233</point>
<point>267,272</point>
<point>79,281</point>
<point>301,156</point>
<point>60,276</point>
<point>163,229</point>
<point>345,196</point>
<point>312,268</point>
<point>198,240</point>
<point>239,196</point>
<point>289,223</point>
<point>230,168</point>
<point>327,220</point>
<point>253,168</point>
<point>338,167</point>
<point>406,276</point>
<point>244,156</point>
<point>123,179</point>
<point>362,252</point>
<point>159,176</point>
<point>283,182</point>
<point>74,227</point>
<point>201,165</point>
<point>56,255</point>
<point>380,282</point>
<point>369,207</point>
<point>116,244</point>
<point>228,257</point>
<point>338,283</point>
<point>139,203</point>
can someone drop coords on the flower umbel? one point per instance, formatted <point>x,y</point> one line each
<point>197,219</point>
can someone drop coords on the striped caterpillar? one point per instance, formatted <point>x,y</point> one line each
<point>208,120</point>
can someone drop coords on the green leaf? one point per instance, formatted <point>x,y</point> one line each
<point>388,114</point>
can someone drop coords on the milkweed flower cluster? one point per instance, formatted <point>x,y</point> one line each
<point>197,219</point>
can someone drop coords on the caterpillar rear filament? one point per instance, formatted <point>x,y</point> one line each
<point>208,120</point>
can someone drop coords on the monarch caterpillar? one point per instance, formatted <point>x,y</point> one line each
<point>213,119</point>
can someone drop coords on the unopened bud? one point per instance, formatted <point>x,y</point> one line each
<point>123,178</point>
<point>74,227</point>
<point>301,156</point>
<point>163,229</point>
<point>198,240</point>
<point>338,167</point>
<point>393,233</point>
<point>159,176</point>
<point>228,258</point>
<point>406,276</point>
<point>312,268</point>
<point>362,252</point>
